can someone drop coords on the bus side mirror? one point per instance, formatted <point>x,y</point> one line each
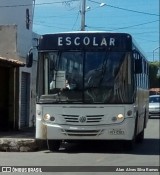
<point>29,59</point>
<point>138,66</point>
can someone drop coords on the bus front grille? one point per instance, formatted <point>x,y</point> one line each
<point>83,119</point>
<point>69,132</point>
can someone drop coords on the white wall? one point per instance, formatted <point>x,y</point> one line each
<point>13,12</point>
<point>8,38</point>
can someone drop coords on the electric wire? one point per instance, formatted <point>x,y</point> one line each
<point>37,4</point>
<point>75,21</point>
<point>77,17</point>
<point>125,26</point>
<point>130,10</point>
<point>50,26</point>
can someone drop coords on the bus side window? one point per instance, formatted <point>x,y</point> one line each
<point>138,62</point>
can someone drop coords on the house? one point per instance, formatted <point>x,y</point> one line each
<point>17,89</point>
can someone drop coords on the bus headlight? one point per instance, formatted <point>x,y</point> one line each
<point>120,116</point>
<point>47,117</point>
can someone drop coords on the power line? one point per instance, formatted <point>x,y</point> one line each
<point>99,28</point>
<point>49,26</point>
<point>58,16</point>
<point>130,10</point>
<point>75,21</point>
<point>126,26</point>
<point>140,33</point>
<point>136,25</point>
<point>45,3</point>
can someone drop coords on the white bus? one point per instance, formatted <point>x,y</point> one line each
<point>91,86</point>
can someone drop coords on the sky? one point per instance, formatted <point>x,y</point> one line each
<point>140,18</point>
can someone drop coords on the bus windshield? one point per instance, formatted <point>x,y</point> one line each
<point>86,77</point>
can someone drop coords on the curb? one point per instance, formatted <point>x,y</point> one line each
<point>22,145</point>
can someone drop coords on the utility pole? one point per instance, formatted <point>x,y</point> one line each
<point>83,11</point>
<point>154,51</point>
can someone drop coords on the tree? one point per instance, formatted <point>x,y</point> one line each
<point>154,74</point>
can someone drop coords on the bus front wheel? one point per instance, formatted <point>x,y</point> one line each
<point>140,137</point>
<point>130,144</point>
<point>54,145</point>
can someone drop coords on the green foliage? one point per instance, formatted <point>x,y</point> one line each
<point>154,74</point>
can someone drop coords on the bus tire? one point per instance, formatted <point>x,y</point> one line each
<point>54,145</point>
<point>130,144</point>
<point>140,137</point>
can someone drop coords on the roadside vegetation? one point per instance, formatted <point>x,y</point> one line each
<point>154,74</point>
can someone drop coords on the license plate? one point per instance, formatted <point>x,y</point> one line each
<point>116,132</point>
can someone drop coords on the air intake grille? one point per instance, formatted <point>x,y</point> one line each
<point>82,132</point>
<point>83,119</point>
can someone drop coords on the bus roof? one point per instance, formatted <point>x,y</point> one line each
<point>71,32</point>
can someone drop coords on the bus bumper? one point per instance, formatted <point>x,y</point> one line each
<point>121,131</point>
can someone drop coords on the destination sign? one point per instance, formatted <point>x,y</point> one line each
<point>85,41</point>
